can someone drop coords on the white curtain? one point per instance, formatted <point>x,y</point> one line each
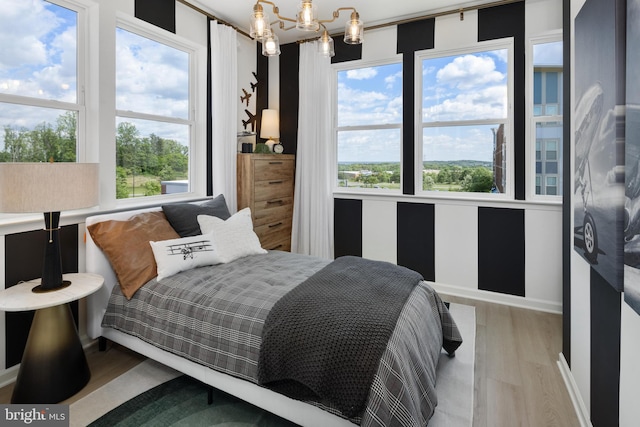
<point>312,232</point>
<point>224,94</point>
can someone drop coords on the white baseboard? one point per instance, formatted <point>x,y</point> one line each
<point>578,404</point>
<point>498,298</point>
<point>9,376</point>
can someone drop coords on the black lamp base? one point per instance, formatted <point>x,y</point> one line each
<point>42,290</point>
<point>52,266</point>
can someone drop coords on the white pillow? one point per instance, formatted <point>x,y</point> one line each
<point>176,255</point>
<point>233,238</point>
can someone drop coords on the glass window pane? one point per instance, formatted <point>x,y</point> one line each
<point>551,91</point>
<point>39,50</point>
<point>549,136</point>
<point>465,87</point>
<point>370,96</point>
<point>547,54</point>
<point>37,134</point>
<point>151,158</point>
<point>465,158</point>
<point>151,77</point>
<point>369,158</point>
<point>537,88</point>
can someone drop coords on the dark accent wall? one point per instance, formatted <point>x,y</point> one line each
<point>415,238</point>
<point>345,52</point>
<point>412,36</point>
<point>289,101</point>
<point>161,13</point>
<point>508,21</point>
<point>347,230</point>
<point>605,352</point>
<point>501,255</point>
<point>24,255</point>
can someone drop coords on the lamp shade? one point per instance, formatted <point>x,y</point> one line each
<point>270,125</point>
<point>47,187</point>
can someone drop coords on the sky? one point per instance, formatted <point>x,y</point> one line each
<point>38,58</point>
<point>455,88</point>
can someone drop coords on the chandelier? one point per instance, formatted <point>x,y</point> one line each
<point>306,20</point>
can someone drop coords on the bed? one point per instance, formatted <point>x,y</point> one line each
<point>208,321</point>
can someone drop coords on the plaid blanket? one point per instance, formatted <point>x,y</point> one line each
<point>215,315</point>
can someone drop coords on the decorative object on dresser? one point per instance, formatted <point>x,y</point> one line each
<point>270,127</point>
<point>265,184</point>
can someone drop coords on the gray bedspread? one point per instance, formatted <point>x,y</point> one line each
<point>310,337</point>
<point>215,316</point>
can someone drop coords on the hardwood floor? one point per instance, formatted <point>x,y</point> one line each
<point>517,380</point>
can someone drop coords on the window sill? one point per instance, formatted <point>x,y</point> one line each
<point>467,200</point>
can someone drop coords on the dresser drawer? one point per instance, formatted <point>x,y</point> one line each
<point>272,209</point>
<point>265,170</point>
<point>272,189</point>
<point>277,226</point>
<point>276,242</point>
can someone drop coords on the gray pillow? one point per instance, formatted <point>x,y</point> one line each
<point>183,217</point>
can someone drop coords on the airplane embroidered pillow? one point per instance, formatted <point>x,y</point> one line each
<point>176,255</point>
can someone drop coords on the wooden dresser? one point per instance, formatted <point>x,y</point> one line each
<point>265,184</point>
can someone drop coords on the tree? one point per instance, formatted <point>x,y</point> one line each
<point>479,181</point>
<point>427,181</point>
<point>122,189</point>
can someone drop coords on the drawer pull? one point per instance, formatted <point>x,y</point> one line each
<point>275,182</point>
<point>275,163</point>
<point>276,247</point>
<point>274,202</point>
<point>277,224</point>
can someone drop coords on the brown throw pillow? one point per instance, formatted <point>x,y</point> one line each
<point>126,245</point>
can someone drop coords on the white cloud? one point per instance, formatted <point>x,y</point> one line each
<point>362,107</point>
<point>469,71</point>
<point>151,77</point>
<point>23,24</point>
<point>362,73</point>
<point>391,79</point>
<point>490,102</point>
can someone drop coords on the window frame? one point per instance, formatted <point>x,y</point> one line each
<point>532,120</point>
<point>419,56</point>
<point>353,65</point>
<point>196,110</point>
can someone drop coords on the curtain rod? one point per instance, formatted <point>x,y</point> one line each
<point>208,15</point>
<point>374,27</point>
<point>460,10</point>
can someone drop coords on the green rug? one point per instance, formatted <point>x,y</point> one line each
<point>182,401</point>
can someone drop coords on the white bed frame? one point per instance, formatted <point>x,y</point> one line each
<point>290,409</point>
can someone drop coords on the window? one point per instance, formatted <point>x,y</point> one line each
<point>154,108</point>
<point>465,118</point>
<point>41,110</point>
<point>546,114</point>
<point>368,127</point>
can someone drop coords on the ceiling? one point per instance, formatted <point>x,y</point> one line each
<point>372,12</point>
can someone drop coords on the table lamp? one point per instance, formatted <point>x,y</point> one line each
<point>49,188</point>
<point>270,127</point>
